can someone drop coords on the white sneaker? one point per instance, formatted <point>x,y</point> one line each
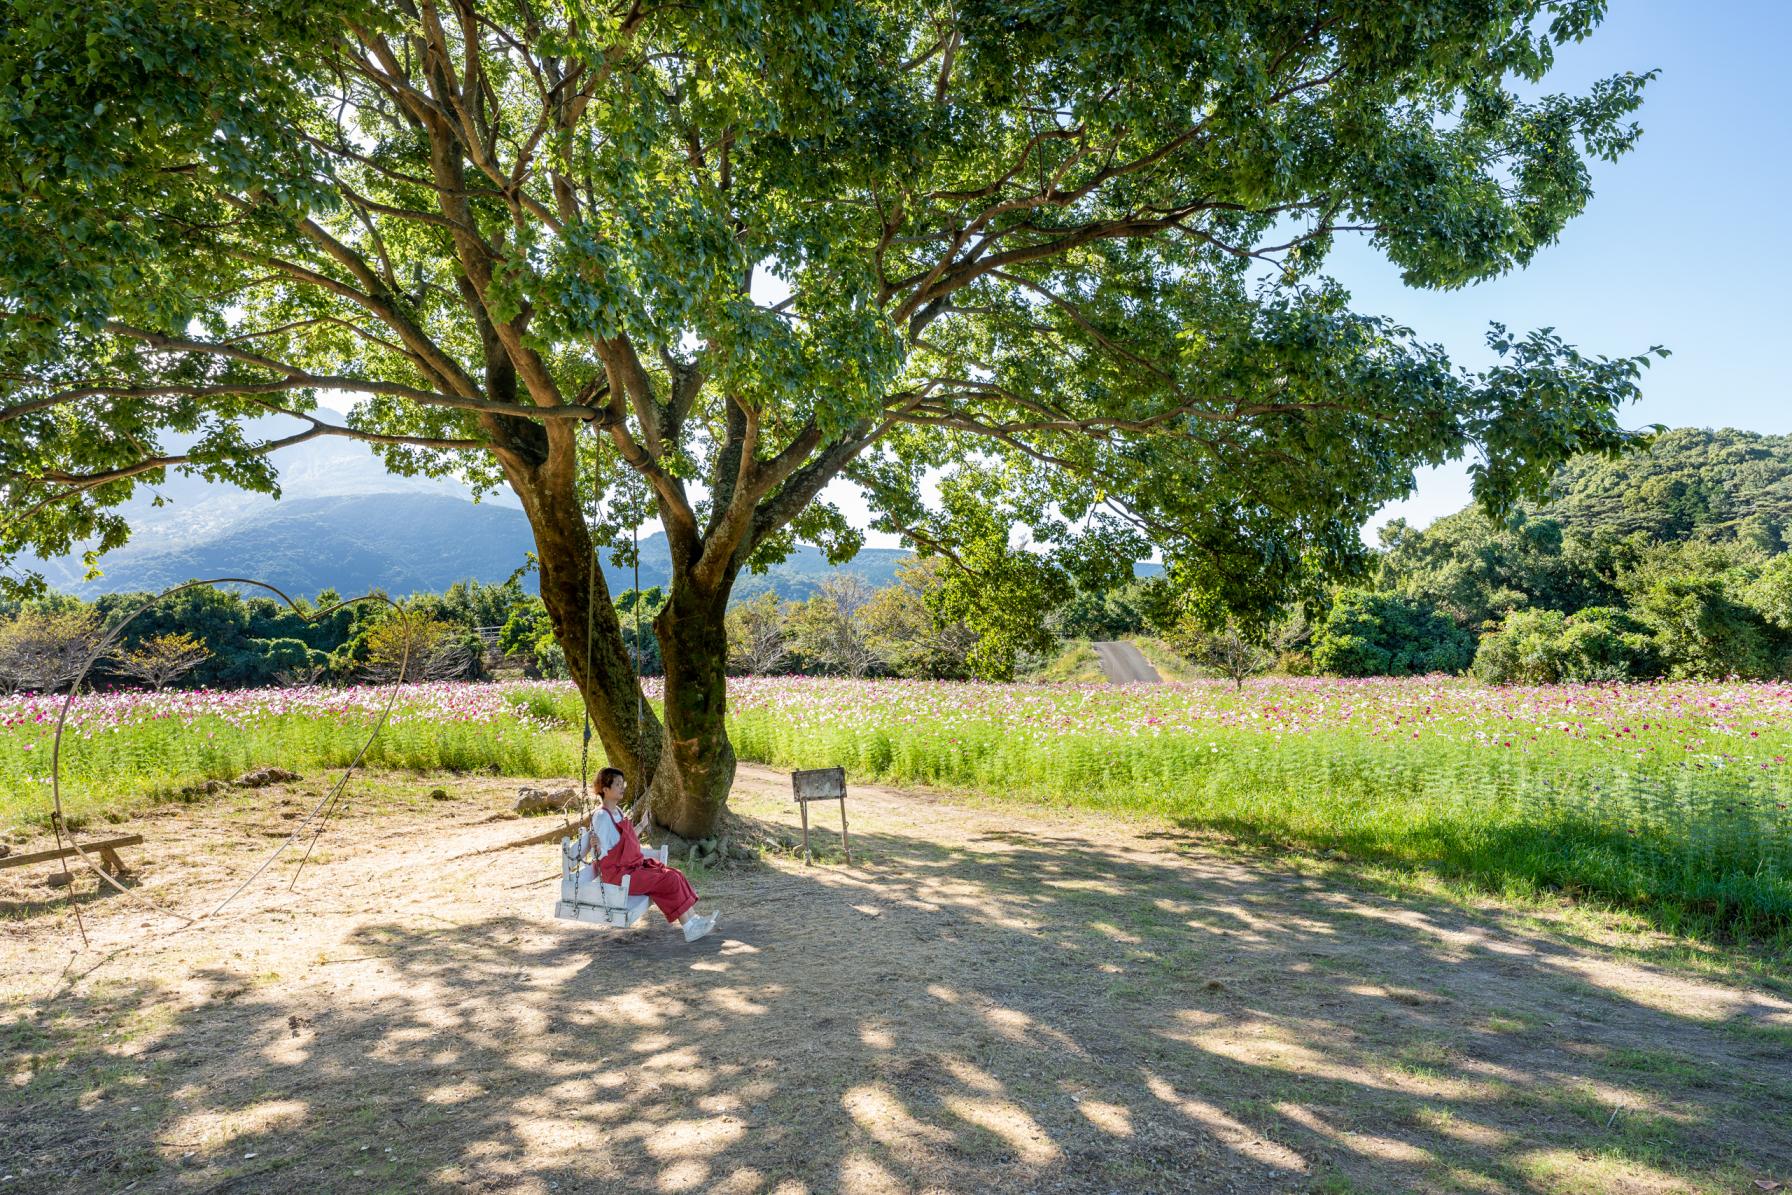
<point>696,927</point>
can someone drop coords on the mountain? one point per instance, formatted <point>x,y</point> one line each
<point>1693,484</point>
<point>344,522</point>
<point>400,542</point>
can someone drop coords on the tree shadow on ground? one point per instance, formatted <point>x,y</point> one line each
<point>49,895</point>
<point>1019,1012</point>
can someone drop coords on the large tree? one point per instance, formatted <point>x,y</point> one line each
<point>710,256</point>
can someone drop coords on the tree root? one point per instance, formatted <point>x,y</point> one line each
<point>739,841</point>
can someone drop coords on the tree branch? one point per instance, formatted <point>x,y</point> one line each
<point>445,371</point>
<point>1085,323</point>
<point>801,487</point>
<point>167,343</point>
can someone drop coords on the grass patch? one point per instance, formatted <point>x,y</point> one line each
<point>1161,656</point>
<point>1654,1062</point>
<point>1751,1030</point>
<point>121,752</point>
<point>1697,840</point>
<point>1670,801</point>
<point>1076,664</point>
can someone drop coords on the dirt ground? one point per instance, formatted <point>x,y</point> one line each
<point>991,997</point>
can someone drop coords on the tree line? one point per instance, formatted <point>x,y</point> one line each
<point>1529,600</point>
<point>220,638</point>
<point>1521,600</point>
<point>1666,563</point>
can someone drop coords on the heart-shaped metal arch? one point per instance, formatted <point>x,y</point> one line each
<point>320,813</point>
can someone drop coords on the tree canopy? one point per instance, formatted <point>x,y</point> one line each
<point>1385,634</point>
<point>1665,562</point>
<point>1476,569</point>
<point>1024,223</point>
<point>1069,251</point>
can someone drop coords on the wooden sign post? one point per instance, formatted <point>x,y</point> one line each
<point>821,784</point>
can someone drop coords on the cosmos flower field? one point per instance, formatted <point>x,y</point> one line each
<point>121,748</point>
<point>1670,798</point>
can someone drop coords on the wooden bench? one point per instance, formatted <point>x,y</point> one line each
<point>821,784</point>
<point>583,894</point>
<point>107,848</point>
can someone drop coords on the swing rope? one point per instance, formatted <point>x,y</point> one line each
<point>641,804</point>
<point>312,821</point>
<point>640,698</point>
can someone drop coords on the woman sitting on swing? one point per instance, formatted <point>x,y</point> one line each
<point>619,854</point>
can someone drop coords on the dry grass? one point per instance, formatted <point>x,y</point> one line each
<point>1075,664</point>
<point>1169,663</point>
<point>992,998</point>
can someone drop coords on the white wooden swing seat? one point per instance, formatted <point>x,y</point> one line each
<point>583,894</point>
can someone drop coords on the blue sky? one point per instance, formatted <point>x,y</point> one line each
<point>1685,243</point>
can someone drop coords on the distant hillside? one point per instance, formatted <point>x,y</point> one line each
<point>1695,484</point>
<point>344,522</point>
<point>401,542</point>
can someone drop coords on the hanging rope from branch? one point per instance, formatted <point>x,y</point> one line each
<point>641,808</point>
<point>640,697</point>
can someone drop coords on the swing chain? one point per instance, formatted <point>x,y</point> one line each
<point>635,654</point>
<point>590,592</point>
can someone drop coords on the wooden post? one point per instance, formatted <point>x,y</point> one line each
<point>110,860</point>
<point>804,806</point>
<point>845,843</point>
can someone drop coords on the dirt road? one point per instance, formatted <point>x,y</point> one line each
<point>1122,664</point>
<point>995,998</point>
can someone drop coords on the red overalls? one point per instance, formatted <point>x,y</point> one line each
<point>665,886</point>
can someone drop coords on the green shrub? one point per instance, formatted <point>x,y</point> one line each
<point>1704,634</point>
<point>1546,647</point>
<point>1388,634</point>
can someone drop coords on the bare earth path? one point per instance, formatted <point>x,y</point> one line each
<point>994,998</point>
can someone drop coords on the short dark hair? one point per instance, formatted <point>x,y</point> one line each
<point>607,777</point>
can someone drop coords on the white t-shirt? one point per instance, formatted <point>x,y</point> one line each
<point>608,836</point>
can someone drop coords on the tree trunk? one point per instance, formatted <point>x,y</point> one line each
<point>577,597</point>
<point>686,763</point>
<point>696,764</point>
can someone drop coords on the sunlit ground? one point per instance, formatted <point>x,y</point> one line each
<point>991,998</point>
